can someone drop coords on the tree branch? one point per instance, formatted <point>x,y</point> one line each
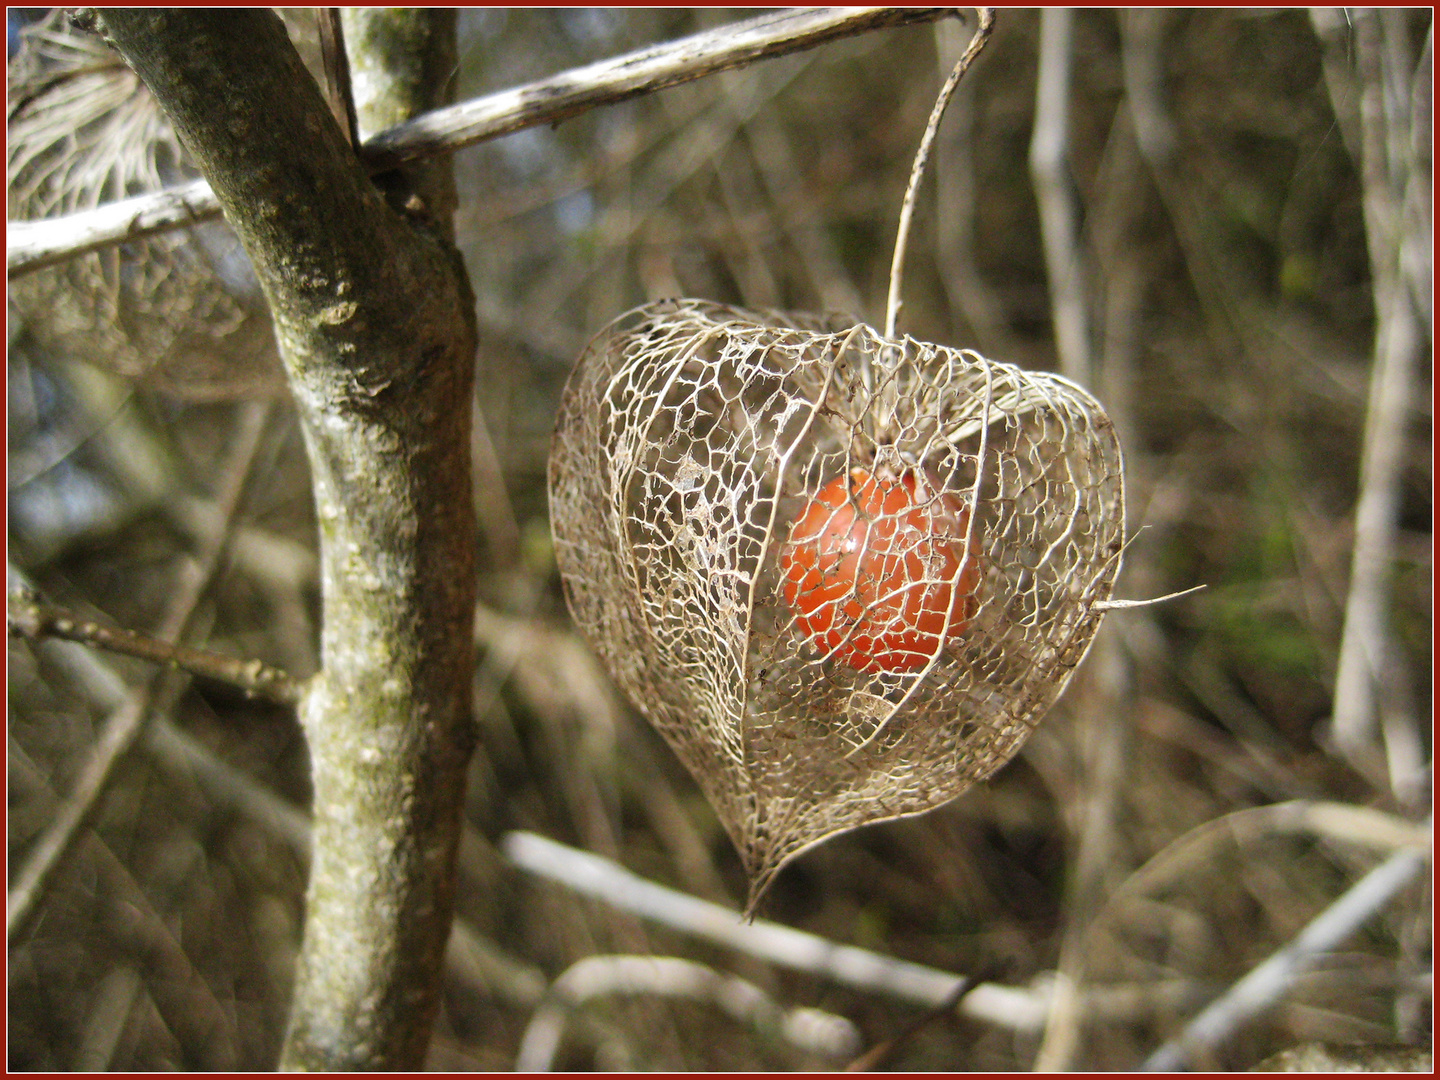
<point>1011,1007</point>
<point>641,72</point>
<point>375,325</point>
<point>30,618</point>
<point>33,245</point>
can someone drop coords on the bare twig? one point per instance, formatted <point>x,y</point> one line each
<point>1367,649</point>
<point>957,212</point>
<point>1113,694</point>
<point>1054,190</point>
<point>1191,853</point>
<point>1108,705</point>
<point>1001,1005</point>
<point>809,1030</point>
<point>986,23</point>
<point>1008,1007</point>
<point>33,619</point>
<point>32,245</point>
<point>883,1052</point>
<point>1106,735</point>
<point>123,727</point>
<point>1268,982</point>
<point>656,68</point>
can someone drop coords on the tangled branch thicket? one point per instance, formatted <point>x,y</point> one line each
<point>691,444</point>
<point>1222,239</point>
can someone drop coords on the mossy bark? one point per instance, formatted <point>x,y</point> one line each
<point>375,322</point>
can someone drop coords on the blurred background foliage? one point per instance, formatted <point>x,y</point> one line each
<point>1237,272</point>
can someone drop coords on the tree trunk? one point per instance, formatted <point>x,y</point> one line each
<point>375,323</point>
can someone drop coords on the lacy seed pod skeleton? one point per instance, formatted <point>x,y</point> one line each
<point>843,575</point>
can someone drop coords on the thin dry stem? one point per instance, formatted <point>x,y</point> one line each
<point>35,620</point>
<point>1004,1006</point>
<point>125,725</point>
<point>986,23</point>
<point>1107,703</point>
<point>1055,193</point>
<point>808,1030</point>
<point>1107,711</point>
<point>1269,981</point>
<point>1367,647</point>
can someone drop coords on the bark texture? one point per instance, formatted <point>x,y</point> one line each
<point>375,322</point>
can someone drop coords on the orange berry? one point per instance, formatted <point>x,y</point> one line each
<point>870,570</point>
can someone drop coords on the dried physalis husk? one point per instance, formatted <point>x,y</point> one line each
<point>180,310</point>
<point>844,576</point>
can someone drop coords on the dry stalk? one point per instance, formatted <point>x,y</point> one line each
<point>986,23</point>
<point>1364,690</point>
<point>1267,982</point>
<point>126,724</point>
<point>809,1030</point>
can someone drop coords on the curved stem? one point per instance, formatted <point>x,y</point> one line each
<point>922,157</point>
